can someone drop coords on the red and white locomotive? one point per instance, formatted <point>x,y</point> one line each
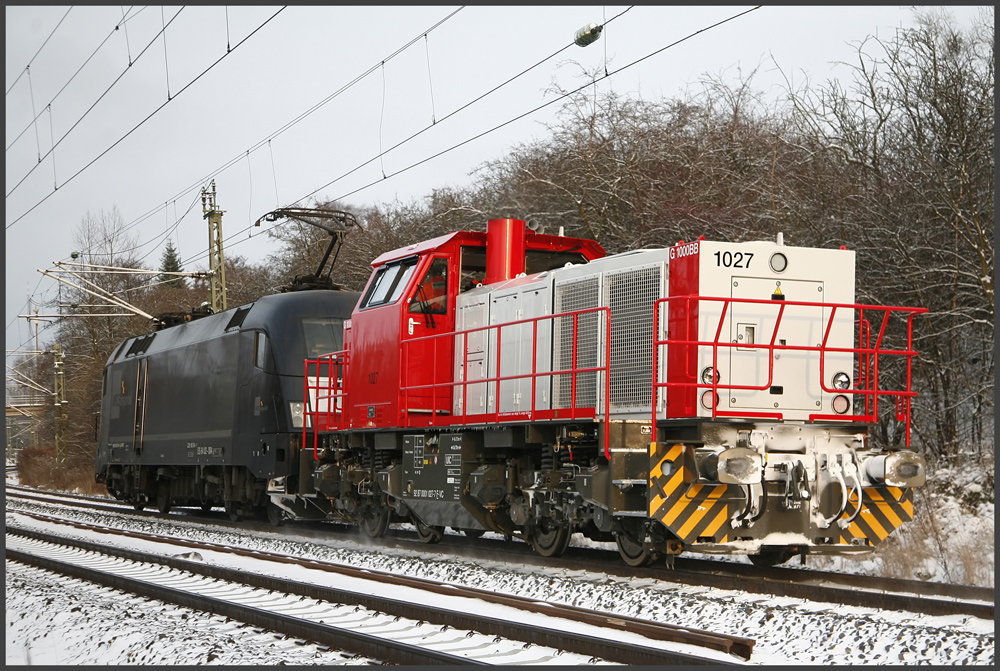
<point>714,397</point>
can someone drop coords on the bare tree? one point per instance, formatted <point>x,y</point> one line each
<point>914,131</point>
<point>101,239</point>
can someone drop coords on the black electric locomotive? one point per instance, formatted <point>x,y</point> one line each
<point>206,412</point>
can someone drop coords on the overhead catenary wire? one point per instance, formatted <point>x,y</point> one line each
<point>39,51</point>
<point>166,233</point>
<point>150,213</point>
<point>128,47</point>
<point>89,109</point>
<point>166,65</point>
<point>250,180</point>
<point>151,114</point>
<point>274,174</point>
<point>381,118</point>
<point>89,58</point>
<point>370,70</point>
<point>604,23</point>
<point>204,180</point>
<point>430,82</point>
<point>543,105</point>
<point>52,137</point>
<point>453,113</point>
<point>529,112</point>
<point>233,240</point>
<point>469,140</point>
<point>31,95</point>
<point>612,73</point>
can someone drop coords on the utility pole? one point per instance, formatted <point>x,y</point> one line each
<point>59,396</point>
<point>34,418</point>
<point>216,261</point>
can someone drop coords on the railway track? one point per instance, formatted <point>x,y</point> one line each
<point>601,639</point>
<point>846,589</point>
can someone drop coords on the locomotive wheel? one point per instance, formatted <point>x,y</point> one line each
<point>163,497</point>
<point>138,505</point>
<point>474,533</point>
<point>275,515</point>
<point>633,551</point>
<point>427,533</point>
<point>206,507</point>
<point>550,540</point>
<point>374,521</point>
<point>770,556</point>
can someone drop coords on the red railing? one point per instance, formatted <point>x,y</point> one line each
<point>331,394</point>
<point>866,381</point>
<point>335,394</point>
<point>325,409</point>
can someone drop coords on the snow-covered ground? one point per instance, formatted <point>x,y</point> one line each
<point>52,622</point>
<point>62,621</point>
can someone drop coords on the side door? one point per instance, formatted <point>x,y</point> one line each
<point>428,311</point>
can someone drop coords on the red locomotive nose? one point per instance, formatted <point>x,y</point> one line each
<point>505,244</point>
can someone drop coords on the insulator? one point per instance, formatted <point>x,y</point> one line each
<point>588,34</point>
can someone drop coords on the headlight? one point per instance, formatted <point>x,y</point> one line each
<point>899,469</point>
<point>778,262</point>
<point>296,410</point>
<point>709,375</point>
<point>740,466</point>
<point>709,399</point>
<point>841,381</point>
<point>841,404</point>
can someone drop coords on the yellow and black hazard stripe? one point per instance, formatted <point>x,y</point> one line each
<point>883,510</point>
<point>691,511</point>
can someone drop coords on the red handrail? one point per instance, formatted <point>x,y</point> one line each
<point>335,396</point>
<point>531,414</point>
<point>335,393</point>
<point>866,383</point>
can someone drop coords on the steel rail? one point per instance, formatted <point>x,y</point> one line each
<point>345,639</point>
<point>848,589</point>
<point>608,649</point>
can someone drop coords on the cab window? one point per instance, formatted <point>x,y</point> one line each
<point>259,349</point>
<point>389,283</point>
<point>473,268</point>
<point>323,336</point>
<point>431,296</point>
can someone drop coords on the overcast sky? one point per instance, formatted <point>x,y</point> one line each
<point>146,138</point>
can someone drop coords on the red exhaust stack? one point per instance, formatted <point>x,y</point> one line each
<point>505,245</point>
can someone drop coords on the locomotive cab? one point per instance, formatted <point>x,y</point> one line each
<point>402,371</point>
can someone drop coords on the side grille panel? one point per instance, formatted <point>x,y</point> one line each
<point>576,295</point>
<point>630,295</point>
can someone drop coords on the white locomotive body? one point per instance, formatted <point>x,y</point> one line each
<point>756,358</point>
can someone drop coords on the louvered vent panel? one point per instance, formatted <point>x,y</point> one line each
<point>579,295</point>
<point>630,295</point>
